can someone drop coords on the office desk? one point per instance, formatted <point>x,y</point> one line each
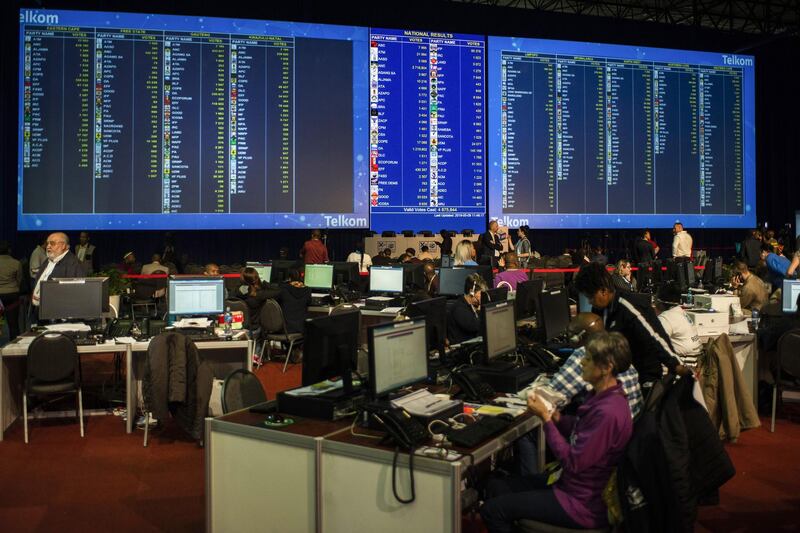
<point>314,476</point>
<point>12,375</point>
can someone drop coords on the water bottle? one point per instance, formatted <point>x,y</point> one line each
<point>754,315</point>
<point>228,321</point>
<point>690,299</point>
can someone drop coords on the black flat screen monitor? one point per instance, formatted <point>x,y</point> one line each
<point>435,312</point>
<point>526,301</point>
<point>281,268</point>
<point>499,294</point>
<point>554,315</point>
<point>331,348</point>
<point>451,280</point>
<point>73,298</point>
<point>345,273</point>
<point>499,330</point>
<point>397,355</point>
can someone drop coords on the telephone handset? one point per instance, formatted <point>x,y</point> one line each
<point>540,357</point>
<point>404,430</point>
<point>472,387</point>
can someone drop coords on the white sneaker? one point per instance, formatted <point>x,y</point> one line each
<point>140,422</point>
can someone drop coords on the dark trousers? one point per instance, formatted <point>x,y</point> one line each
<point>11,304</point>
<point>514,498</point>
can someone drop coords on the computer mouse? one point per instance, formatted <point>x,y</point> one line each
<point>275,418</point>
<point>506,416</point>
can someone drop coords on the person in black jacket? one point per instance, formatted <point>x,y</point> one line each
<point>257,293</point>
<point>489,246</point>
<point>464,321</point>
<point>61,263</point>
<point>643,251</point>
<point>649,342</point>
<point>751,249</point>
<point>446,245</point>
<point>294,299</point>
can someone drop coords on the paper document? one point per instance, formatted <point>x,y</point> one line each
<point>193,323</point>
<point>68,326</point>
<point>423,403</point>
<point>125,340</point>
<point>391,310</point>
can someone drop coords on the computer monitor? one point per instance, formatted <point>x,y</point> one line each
<point>193,295</point>
<point>554,306</point>
<point>386,279</point>
<point>345,273</point>
<point>485,271</point>
<point>526,302</point>
<point>451,280</point>
<point>500,294</point>
<point>708,272</point>
<point>319,277</point>
<point>584,304</point>
<point>331,348</point>
<point>281,268</point>
<point>398,355</point>
<point>690,277</point>
<point>499,330</point>
<point>435,312</point>
<point>414,275</point>
<point>446,261</point>
<point>73,298</point>
<point>718,268</point>
<point>790,292</point>
<point>264,270</point>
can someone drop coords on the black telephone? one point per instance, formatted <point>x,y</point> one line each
<point>472,387</point>
<point>119,327</point>
<point>540,357</point>
<point>404,430</point>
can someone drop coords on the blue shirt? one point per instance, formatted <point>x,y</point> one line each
<point>777,266</point>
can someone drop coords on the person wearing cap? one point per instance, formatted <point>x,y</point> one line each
<point>129,264</point>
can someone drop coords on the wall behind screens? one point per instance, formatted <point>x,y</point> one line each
<point>131,121</point>
<point>586,135</point>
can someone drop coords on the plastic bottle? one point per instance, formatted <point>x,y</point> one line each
<point>228,321</point>
<point>690,299</point>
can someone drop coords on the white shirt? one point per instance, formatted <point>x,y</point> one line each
<point>45,275</point>
<point>682,333</point>
<point>355,257</point>
<point>682,244</point>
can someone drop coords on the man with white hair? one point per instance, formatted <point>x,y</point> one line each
<point>61,263</point>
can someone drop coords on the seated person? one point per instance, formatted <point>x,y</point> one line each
<point>648,341</point>
<point>431,280</point>
<point>464,254</point>
<point>129,265</point>
<point>464,320</point>
<point>412,256</point>
<point>623,280</point>
<point>682,333</point>
<point>751,290</point>
<point>154,266</point>
<point>256,294</point>
<point>588,447</point>
<point>211,269</point>
<point>384,258</point>
<point>424,253</point>
<point>512,275</point>
<point>294,299</point>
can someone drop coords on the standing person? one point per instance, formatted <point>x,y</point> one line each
<point>38,257</point>
<point>359,256</point>
<point>623,278</point>
<point>681,244</point>
<point>643,249</point>
<point>777,266</point>
<point>446,244</point>
<point>85,251</point>
<point>10,280</point>
<point>61,263</point>
<point>751,249</point>
<point>314,250</point>
<point>656,248</point>
<point>490,245</point>
<point>523,247</point>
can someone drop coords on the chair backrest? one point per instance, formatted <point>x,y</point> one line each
<point>145,288</point>
<point>789,354</point>
<point>52,357</point>
<point>271,318</point>
<point>241,389</point>
<point>239,305</point>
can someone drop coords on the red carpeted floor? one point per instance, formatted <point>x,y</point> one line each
<point>109,482</point>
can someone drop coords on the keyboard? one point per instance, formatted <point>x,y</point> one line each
<point>480,431</point>
<point>84,341</point>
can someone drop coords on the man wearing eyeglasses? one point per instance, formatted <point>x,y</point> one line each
<point>61,263</point>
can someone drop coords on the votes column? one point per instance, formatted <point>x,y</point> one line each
<point>214,123</point>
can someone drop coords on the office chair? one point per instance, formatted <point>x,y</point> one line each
<point>241,389</point>
<point>239,305</point>
<point>787,376</point>
<point>53,368</point>
<point>273,328</point>
<point>532,526</point>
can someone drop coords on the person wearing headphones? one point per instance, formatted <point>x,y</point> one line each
<point>465,316</point>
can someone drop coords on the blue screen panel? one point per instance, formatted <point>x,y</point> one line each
<point>426,130</point>
<point>133,121</point>
<point>585,135</point>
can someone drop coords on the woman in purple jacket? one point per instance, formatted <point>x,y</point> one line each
<point>588,446</point>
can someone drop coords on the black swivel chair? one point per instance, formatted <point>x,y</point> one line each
<point>787,374</point>
<point>53,368</point>
<point>241,389</point>
<point>239,305</point>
